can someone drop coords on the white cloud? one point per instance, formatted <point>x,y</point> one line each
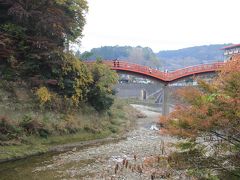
<point>161,24</point>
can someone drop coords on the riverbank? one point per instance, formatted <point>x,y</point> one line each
<point>109,127</point>
<point>101,162</point>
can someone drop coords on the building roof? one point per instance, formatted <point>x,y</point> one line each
<point>230,47</point>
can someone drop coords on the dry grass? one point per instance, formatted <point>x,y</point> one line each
<point>39,129</point>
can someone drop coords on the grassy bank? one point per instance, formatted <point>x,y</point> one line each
<point>58,128</point>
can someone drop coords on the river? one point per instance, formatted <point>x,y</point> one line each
<point>119,160</point>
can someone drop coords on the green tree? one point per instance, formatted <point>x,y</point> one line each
<point>35,36</point>
<point>101,89</point>
<point>140,55</point>
<point>74,79</point>
<point>33,32</point>
<point>85,56</point>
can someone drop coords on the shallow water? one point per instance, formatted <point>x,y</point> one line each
<point>94,162</point>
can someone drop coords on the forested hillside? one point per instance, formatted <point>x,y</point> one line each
<point>175,59</point>
<point>140,55</point>
<point>170,59</point>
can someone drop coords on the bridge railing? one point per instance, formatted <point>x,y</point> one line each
<point>123,65</point>
<point>164,76</point>
<point>194,70</point>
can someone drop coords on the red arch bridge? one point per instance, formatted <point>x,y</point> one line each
<point>164,77</point>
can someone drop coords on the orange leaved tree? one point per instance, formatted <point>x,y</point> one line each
<point>209,121</point>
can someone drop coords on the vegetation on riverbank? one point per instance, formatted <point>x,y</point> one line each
<point>47,95</point>
<point>87,125</point>
<point>35,38</point>
<point>208,120</point>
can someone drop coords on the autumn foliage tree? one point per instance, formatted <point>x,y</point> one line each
<point>209,120</point>
<point>34,42</point>
<point>33,33</point>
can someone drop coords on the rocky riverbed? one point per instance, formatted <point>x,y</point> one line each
<point>142,155</point>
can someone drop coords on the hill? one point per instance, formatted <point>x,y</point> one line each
<point>175,59</point>
<point>169,59</point>
<point>140,55</point>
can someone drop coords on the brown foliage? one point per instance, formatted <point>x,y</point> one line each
<point>212,110</point>
<point>5,44</point>
<point>6,124</point>
<point>232,65</point>
<point>8,129</point>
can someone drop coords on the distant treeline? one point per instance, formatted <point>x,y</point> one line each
<point>140,55</point>
<point>171,59</point>
<point>176,59</point>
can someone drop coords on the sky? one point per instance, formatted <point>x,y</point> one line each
<point>161,24</point>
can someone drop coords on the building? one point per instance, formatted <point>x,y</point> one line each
<point>231,50</point>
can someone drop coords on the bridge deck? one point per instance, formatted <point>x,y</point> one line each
<point>163,76</point>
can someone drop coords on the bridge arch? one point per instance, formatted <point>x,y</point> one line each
<point>165,77</point>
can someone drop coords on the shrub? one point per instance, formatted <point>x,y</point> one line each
<point>113,129</point>
<point>101,101</point>
<point>8,129</point>
<point>34,127</point>
<point>43,95</point>
<point>69,124</point>
<point>91,129</point>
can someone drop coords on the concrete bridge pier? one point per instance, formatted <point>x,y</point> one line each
<point>143,95</point>
<point>165,105</point>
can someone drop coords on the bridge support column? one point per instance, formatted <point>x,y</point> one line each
<point>143,94</point>
<point>165,106</point>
